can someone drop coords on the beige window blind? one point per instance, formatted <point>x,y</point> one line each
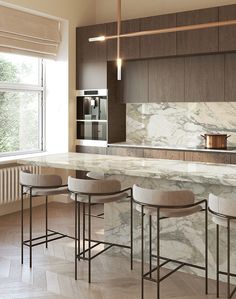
<point>22,32</point>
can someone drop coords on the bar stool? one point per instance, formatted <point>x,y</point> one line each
<point>35,185</point>
<point>85,191</point>
<point>224,214</point>
<point>163,205</point>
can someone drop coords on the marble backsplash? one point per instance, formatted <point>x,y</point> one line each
<point>179,124</point>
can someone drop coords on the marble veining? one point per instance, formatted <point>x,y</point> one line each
<point>182,171</point>
<point>181,238</point>
<point>179,124</point>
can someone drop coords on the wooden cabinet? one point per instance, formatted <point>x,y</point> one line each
<point>166,80</point>
<point>204,78</point>
<point>163,154</point>
<point>125,151</point>
<point>230,75</point>
<point>197,41</point>
<point>227,41</point>
<point>135,82</point>
<point>91,65</point>
<point>129,47</point>
<point>208,157</point>
<point>159,45</point>
<point>233,159</point>
<point>91,149</point>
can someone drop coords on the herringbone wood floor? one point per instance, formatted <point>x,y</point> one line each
<point>52,275</point>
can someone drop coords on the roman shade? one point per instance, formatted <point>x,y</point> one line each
<point>26,33</point>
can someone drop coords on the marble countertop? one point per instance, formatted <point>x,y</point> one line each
<point>230,150</point>
<point>197,172</point>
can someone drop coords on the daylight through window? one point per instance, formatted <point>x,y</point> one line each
<point>21,104</point>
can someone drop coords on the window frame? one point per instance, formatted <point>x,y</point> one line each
<point>41,88</point>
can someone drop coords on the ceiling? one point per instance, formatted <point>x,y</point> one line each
<point>131,9</point>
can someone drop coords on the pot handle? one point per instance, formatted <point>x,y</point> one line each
<point>205,136</point>
<point>228,136</point>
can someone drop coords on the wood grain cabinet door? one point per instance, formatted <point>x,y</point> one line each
<point>129,47</point>
<point>197,41</point>
<point>227,34</point>
<point>166,80</point>
<point>159,45</point>
<point>230,77</point>
<point>204,78</point>
<point>135,82</point>
<point>91,58</point>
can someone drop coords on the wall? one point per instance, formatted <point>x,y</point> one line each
<point>106,9</point>
<point>179,124</point>
<point>77,13</point>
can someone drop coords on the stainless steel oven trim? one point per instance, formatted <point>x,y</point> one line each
<point>90,92</point>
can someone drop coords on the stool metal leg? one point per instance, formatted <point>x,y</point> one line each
<point>83,230</point>
<point>228,258</point>
<point>206,248</point>
<point>217,261</point>
<point>158,253</point>
<point>142,253</point>
<point>131,231</point>
<point>76,235</point>
<point>30,247</point>
<point>22,225</point>
<point>150,246</point>
<point>46,228</point>
<point>89,239</point>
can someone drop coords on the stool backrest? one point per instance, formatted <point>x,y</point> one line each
<point>93,186</point>
<point>39,180</point>
<point>224,206</point>
<point>95,175</point>
<point>163,198</point>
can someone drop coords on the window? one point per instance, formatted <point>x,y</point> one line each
<point>21,104</point>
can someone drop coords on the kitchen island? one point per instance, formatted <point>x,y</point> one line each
<point>181,238</point>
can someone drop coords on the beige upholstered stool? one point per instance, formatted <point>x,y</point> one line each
<point>35,185</point>
<point>224,214</point>
<point>85,191</point>
<point>162,205</point>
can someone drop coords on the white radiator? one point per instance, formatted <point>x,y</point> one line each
<point>9,182</point>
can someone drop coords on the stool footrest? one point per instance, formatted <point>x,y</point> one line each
<point>26,242</point>
<point>225,273</point>
<point>97,242</point>
<point>109,243</point>
<point>179,262</point>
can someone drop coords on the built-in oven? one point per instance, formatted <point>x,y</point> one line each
<point>91,114</point>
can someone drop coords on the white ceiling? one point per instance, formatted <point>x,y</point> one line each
<point>106,9</point>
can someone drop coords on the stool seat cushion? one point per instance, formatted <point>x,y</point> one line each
<point>100,199</point>
<point>223,221</point>
<point>224,206</point>
<point>46,191</point>
<point>170,213</point>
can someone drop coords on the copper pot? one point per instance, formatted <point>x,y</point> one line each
<point>216,141</point>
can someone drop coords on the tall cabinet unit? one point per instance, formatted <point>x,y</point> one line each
<point>100,117</point>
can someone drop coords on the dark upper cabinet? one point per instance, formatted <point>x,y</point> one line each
<point>230,75</point>
<point>197,41</point>
<point>158,45</point>
<point>204,78</point>
<point>129,47</point>
<point>227,34</point>
<point>166,80</point>
<point>90,58</point>
<point>135,81</point>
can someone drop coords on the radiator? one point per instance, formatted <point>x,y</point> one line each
<point>9,182</point>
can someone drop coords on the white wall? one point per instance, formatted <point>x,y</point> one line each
<point>131,9</point>
<point>77,13</point>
